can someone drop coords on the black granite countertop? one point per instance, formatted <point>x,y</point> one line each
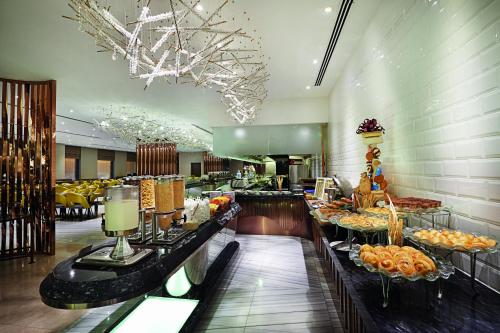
<point>414,306</point>
<point>72,285</point>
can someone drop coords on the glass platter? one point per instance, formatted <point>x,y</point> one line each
<point>360,228</point>
<point>381,215</point>
<point>410,234</point>
<point>444,269</point>
<point>423,211</point>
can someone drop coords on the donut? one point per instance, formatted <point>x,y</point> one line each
<point>376,152</point>
<point>369,156</point>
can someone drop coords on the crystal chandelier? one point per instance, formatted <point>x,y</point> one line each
<point>134,126</point>
<point>182,44</point>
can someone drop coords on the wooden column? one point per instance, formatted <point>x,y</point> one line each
<point>156,159</point>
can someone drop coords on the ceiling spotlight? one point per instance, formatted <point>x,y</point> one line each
<point>199,7</point>
<point>71,111</point>
<point>308,87</point>
<point>315,61</point>
<point>328,9</point>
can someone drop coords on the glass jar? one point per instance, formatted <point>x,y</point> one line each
<point>164,200</point>
<point>179,193</point>
<point>147,186</point>
<point>121,207</point>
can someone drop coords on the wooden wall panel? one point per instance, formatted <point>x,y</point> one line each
<point>213,163</point>
<point>156,159</point>
<point>27,150</point>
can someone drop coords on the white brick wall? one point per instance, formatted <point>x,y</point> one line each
<point>431,75</point>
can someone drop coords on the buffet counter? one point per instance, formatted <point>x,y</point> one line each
<point>273,213</point>
<point>413,307</point>
<point>73,285</point>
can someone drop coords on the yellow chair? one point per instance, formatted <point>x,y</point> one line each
<point>61,189</point>
<point>61,205</point>
<point>79,202</point>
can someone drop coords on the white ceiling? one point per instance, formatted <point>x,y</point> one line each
<point>38,44</point>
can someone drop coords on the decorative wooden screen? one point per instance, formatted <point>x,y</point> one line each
<point>27,168</point>
<point>156,159</point>
<point>213,163</point>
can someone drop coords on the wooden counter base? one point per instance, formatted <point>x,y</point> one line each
<point>273,215</point>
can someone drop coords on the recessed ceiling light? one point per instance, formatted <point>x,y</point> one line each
<point>328,9</point>
<point>308,87</point>
<point>315,61</point>
<point>71,111</point>
<point>62,122</point>
<point>199,7</point>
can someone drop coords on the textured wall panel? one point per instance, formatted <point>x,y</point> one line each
<point>27,204</point>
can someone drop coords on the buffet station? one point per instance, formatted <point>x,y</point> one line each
<point>166,248</point>
<point>391,258</point>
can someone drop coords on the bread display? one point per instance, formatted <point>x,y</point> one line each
<point>394,259</point>
<point>415,203</point>
<point>363,222</point>
<point>378,210</point>
<point>453,239</point>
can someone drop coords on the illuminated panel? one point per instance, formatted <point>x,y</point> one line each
<point>158,315</point>
<point>178,284</point>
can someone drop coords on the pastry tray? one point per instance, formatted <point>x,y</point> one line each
<point>409,233</point>
<point>361,229</point>
<point>444,268</point>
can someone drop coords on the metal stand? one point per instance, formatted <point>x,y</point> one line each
<point>145,232</point>
<point>167,237</point>
<point>122,249</point>
<point>386,283</point>
<point>473,271</point>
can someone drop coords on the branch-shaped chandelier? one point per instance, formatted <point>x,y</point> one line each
<point>134,126</point>
<point>182,44</point>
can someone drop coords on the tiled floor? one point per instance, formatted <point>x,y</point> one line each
<point>275,284</point>
<point>21,309</point>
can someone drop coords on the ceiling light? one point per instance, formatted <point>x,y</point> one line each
<point>315,61</point>
<point>62,122</point>
<point>328,9</point>
<point>308,87</point>
<point>199,7</point>
<point>71,111</point>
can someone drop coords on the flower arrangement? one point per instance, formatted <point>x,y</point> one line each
<point>369,125</point>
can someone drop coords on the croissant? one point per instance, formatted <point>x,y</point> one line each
<point>388,265</point>
<point>393,248</point>
<point>366,247</point>
<point>406,266</point>
<point>370,258</point>
<point>402,255</point>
